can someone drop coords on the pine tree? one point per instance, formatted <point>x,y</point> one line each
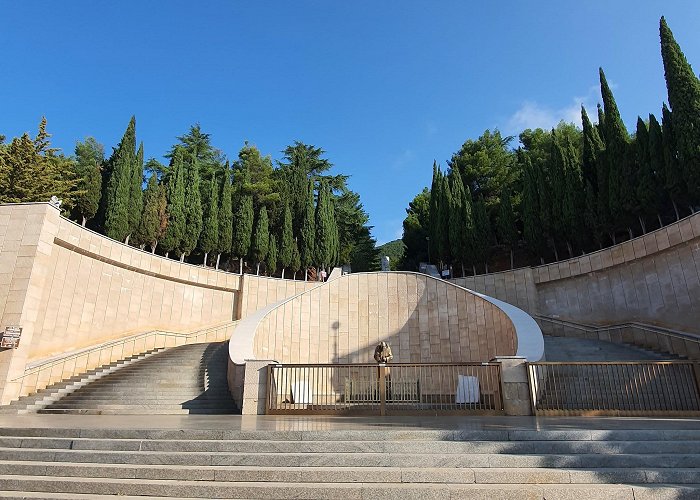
<point>175,195</point>
<point>308,230</point>
<point>89,157</point>
<point>507,232</point>
<point>684,98</point>
<point>135,193</point>
<point>271,259</point>
<point>287,242</point>
<point>118,192</point>
<point>193,208</point>
<point>673,175</point>
<point>225,217</point>
<point>242,229</point>
<point>261,238</point>
<point>616,150</point>
<point>209,239</point>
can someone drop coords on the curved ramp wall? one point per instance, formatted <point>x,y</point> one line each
<point>425,320</point>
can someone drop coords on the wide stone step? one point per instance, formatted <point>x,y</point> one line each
<point>353,474</point>
<point>577,461</point>
<point>345,491</point>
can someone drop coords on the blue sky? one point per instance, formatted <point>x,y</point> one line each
<point>384,87</point>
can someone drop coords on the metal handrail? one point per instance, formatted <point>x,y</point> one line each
<point>97,352</point>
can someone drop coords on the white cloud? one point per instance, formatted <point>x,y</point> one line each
<point>403,159</point>
<point>533,115</point>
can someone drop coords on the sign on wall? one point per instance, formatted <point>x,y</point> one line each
<point>10,337</point>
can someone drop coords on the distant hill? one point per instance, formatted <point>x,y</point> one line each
<point>393,249</point>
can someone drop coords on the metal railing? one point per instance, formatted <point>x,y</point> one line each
<point>371,389</point>
<point>40,375</point>
<point>654,388</point>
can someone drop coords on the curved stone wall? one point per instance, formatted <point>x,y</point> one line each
<point>425,320</point>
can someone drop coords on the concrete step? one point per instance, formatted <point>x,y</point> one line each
<point>345,491</point>
<point>452,460</point>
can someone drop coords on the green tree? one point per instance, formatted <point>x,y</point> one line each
<point>271,259</point>
<point>209,238</point>
<point>31,170</point>
<point>261,238</point>
<point>593,178</point>
<point>154,219</point>
<point>533,230</point>
<point>507,231</point>
<point>295,264</point>
<point>444,205</point>
<point>457,224</point>
<point>175,195</point>
<point>365,255</point>
<point>118,193</point>
<point>326,248</point>
<point>416,227</point>
<point>308,231</point>
<point>616,150</point>
<point>135,193</point>
<point>647,193</point>
<point>482,233</point>
<point>434,228</point>
<point>656,160</point>
<point>193,208</point>
<point>287,243</point>
<point>684,98</point>
<point>225,218</point>
<point>89,156</point>
<point>242,229</point>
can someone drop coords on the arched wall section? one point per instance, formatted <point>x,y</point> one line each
<point>423,319</point>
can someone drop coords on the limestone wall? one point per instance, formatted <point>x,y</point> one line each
<point>516,287</point>
<point>259,291</point>
<point>423,319</point>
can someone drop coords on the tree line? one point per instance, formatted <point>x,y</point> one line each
<point>565,191</point>
<point>283,216</point>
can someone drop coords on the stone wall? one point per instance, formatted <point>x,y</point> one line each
<point>259,291</point>
<point>516,287</point>
<point>424,320</point>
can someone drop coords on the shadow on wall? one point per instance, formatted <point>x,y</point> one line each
<point>215,396</point>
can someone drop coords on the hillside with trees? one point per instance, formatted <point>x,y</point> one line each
<point>554,194</point>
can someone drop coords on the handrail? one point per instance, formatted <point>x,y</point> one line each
<point>153,339</point>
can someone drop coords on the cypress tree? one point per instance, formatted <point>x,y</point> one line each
<point>557,177</point>
<point>656,160</point>
<point>225,218</point>
<point>324,222</point>
<point>242,229</point>
<point>573,203</point>
<point>507,232</point>
<point>532,226</point>
<point>308,230</point>
<point>457,224</point>
<point>209,239</point>
<point>287,242</point>
<point>335,238</point>
<point>592,146</point>
<point>646,195</point>
<point>593,177</point>
<point>673,176</point>
<point>150,220</point>
<point>467,233</point>
<point>482,233</point>
<point>616,150</point>
<point>600,127</point>
<point>175,195</point>
<point>193,208</point>
<point>136,192</point>
<point>444,205</point>
<point>118,192</point>
<point>271,259</point>
<point>89,157</point>
<point>684,98</point>
<point>261,238</point>
<point>434,229</point>
<point>295,264</point>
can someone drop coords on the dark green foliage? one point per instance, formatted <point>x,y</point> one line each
<point>434,227</point>
<point>482,232</point>
<point>594,175</point>
<point>89,156</point>
<point>271,259</point>
<point>457,226</point>
<point>395,251</point>
<point>307,238</point>
<point>135,191</point>
<point>243,227</point>
<point>225,215</point>
<point>261,237</point>
<point>444,205</point>
<point>592,146</point>
<point>209,238</point>
<point>193,207</point>
<point>684,98</point>
<point>119,185</point>
<point>175,194</point>
<point>31,170</point>
<point>416,231</point>
<point>616,150</point>
<point>325,248</point>
<point>286,250</point>
<point>673,175</point>
<point>507,231</point>
<point>153,219</point>
<point>365,255</point>
<point>646,181</point>
<point>295,264</point>
<point>532,226</point>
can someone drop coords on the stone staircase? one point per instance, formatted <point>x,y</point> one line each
<point>351,464</point>
<point>189,379</point>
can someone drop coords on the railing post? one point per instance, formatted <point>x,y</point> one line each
<point>515,385</point>
<point>382,389</point>
<point>696,370</point>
